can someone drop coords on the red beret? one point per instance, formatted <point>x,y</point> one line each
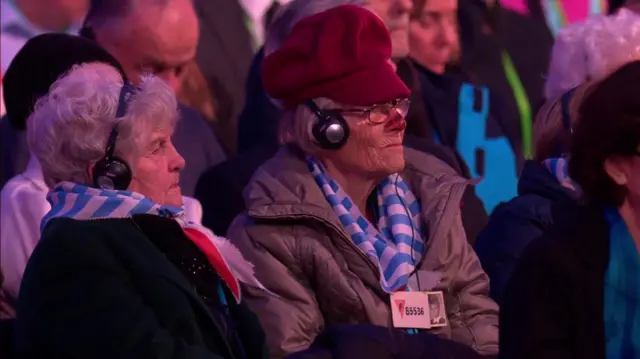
<point>341,54</point>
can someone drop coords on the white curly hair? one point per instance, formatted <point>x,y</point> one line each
<point>69,127</point>
<point>591,50</point>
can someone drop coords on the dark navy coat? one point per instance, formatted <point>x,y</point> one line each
<point>515,224</point>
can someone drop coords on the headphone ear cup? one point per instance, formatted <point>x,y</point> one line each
<point>113,173</point>
<point>330,131</point>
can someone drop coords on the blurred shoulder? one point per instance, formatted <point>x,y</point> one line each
<point>425,163</point>
<point>84,235</point>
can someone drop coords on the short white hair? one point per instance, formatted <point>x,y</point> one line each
<point>297,122</point>
<point>592,50</point>
<point>69,127</point>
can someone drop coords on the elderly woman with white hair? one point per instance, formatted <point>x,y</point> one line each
<point>344,225</point>
<point>23,199</point>
<point>119,272</point>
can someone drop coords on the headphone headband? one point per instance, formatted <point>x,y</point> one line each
<point>565,102</point>
<point>314,108</point>
<point>566,113</point>
<point>126,92</point>
<point>111,172</point>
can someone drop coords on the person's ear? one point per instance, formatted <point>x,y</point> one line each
<point>617,169</point>
<point>92,165</point>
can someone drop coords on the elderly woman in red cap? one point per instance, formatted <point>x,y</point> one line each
<point>345,225</point>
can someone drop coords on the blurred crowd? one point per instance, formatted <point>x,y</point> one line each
<point>319,179</point>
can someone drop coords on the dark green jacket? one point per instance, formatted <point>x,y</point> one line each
<point>102,289</point>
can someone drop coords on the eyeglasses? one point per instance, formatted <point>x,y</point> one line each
<point>378,114</point>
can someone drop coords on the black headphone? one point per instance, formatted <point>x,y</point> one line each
<point>565,101</point>
<point>330,131</point>
<point>566,115</point>
<point>112,172</point>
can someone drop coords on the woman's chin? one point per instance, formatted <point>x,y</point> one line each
<point>173,197</point>
<point>391,165</point>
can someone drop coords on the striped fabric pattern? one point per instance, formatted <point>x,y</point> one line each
<point>559,168</point>
<point>399,244</point>
<point>82,202</point>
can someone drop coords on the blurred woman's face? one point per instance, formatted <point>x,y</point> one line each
<point>433,34</point>
<point>156,174</point>
<point>374,147</point>
<point>395,15</point>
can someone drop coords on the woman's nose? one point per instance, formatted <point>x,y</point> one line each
<point>449,34</point>
<point>176,162</point>
<point>180,163</point>
<point>396,122</point>
<point>404,6</point>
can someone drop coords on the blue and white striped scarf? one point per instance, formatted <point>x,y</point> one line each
<point>85,203</point>
<point>399,244</point>
<point>81,202</point>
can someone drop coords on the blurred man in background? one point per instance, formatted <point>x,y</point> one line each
<point>150,36</point>
<point>230,33</point>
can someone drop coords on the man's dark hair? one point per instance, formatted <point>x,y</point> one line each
<point>608,126</point>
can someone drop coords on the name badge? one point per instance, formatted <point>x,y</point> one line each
<point>410,310</point>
